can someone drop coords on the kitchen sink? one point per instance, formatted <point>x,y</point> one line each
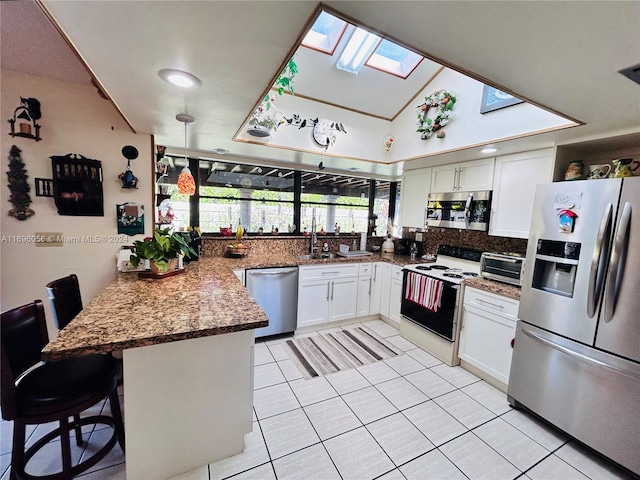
<point>308,256</point>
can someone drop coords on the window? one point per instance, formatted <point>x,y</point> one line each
<point>325,33</point>
<point>264,198</point>
<point>392,58</point>
<point>336,200</point>
<point>260,198</point>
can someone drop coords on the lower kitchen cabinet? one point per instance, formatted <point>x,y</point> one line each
<point>487,334</point>
<point>365,279</point>
<point>385,287</point>
<point>327,294</point>
<point>395,294</point>
<point>376,288</point>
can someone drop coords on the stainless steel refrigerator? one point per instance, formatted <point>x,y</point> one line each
<point>576,358</point>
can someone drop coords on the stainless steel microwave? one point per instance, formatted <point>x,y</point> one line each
<point>463,210</point>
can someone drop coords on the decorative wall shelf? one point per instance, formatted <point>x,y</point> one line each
<point>77,185</point>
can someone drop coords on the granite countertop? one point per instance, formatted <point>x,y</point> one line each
<point>206,300</point>
<point>499,288</point>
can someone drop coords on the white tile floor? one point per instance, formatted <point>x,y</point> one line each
<point>410,417</point>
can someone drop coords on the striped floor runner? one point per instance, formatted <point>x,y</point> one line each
<point>319,355</point>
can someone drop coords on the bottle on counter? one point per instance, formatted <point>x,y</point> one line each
<point>413,251</point>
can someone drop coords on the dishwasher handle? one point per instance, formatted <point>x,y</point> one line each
<point>270,273</point>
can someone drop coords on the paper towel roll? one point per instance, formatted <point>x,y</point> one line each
<point>363,241</point>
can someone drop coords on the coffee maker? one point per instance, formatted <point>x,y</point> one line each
<point>403,247</point>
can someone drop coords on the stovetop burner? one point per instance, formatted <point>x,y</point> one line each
<point>423,267</point>
<point>452,275</point>
<point>439,267</point>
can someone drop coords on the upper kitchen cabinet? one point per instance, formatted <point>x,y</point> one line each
<point>463,177</point>
<point>413,197</point>
<point>514,183</point>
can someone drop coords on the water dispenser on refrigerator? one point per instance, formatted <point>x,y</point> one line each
<point>555,267</point>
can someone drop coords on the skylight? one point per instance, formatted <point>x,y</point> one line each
<point>360,46</point>
<point>392,58</point>
<point>325,33</point>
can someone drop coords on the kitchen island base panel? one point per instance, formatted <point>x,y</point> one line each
<point>437,346</point>
<point>187,403</point>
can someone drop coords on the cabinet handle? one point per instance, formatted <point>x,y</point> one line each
<point>375,272</point>
<point>369,286</point>
<point>513,342</point>
<point>328,287</point>
<point>481,301</point>
<point>332,291</point>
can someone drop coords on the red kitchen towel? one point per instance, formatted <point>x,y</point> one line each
<point>425,291</point>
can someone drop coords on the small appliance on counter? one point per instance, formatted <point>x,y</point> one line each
<point>502,267</point>
<point>404,247</point>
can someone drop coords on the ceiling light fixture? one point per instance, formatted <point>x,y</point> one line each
<point>358,49</point>
<point>489,150</point>
<point>186,183</point>
<point>180,78</point>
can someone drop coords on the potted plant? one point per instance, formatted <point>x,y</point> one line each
<point>161,250</point>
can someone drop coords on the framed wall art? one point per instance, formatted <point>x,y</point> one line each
<point>494,99</point>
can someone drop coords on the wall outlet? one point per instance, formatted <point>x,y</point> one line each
<point>418,236</point>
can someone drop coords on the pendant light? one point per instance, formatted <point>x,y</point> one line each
<point>186,183</point>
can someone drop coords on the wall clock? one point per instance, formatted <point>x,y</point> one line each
<point>323,133</point>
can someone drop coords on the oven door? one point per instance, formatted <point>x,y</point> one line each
<point>443,321</point>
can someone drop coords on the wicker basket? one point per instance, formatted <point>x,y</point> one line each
<point>238,251</point>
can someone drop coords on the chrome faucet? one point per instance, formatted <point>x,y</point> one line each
<point>314,236</point>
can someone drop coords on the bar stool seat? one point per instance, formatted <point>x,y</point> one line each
<point>35,392</point>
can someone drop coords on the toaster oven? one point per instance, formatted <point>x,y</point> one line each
<point>507,268</point>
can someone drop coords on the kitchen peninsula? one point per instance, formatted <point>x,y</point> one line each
<point>187,346</point>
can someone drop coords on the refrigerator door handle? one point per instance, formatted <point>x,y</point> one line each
<point>619,246</point>
<point>595,287</point>
<point>578,355</point>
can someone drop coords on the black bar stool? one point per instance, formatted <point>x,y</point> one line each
<point>34,392</point>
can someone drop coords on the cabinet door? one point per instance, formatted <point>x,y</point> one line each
<point>376,289</point>
<point>485,342</point>
<point>313,302</point>
<point>385,287</point>
<point>343,299</point>
<point>395,299</point>
<point>515,181</point>
<point>444,178</point>
<point>476,175</point>
<point>413,201</point>
<point>364,296</point>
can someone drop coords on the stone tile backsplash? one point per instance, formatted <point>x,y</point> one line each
<point>297,245</point>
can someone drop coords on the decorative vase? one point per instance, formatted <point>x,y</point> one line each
<point>575,171</point>
<point>158,270</point>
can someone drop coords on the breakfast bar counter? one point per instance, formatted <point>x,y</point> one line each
<point>187,344</point>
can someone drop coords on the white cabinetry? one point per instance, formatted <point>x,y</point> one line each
<point>376,288</point>
<point>487,333</point>
<point>327,293</point>
<point>363,306</point>
<point>413,197</point>
<point>385,287</point>
<point>515,180</point>
<point>463,177</point>
<point>395,294</point>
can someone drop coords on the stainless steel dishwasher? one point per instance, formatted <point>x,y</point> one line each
<point>276,291</point>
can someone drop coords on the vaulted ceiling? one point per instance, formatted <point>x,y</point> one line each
<point>563,56</point>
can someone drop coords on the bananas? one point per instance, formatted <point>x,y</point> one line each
<point>239,232</point>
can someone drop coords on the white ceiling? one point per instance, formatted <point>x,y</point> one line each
<point>561,55</point>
